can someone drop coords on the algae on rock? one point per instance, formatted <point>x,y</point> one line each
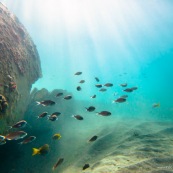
<point>19,67</point>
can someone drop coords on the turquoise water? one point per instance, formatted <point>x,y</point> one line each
<point>116,41</point>
<point>103,39</point>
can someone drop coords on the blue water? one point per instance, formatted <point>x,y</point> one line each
<point>100,38</point>
<point>117,41</point>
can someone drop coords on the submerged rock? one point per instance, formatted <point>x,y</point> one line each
<point>19,67</point>
<point>3,104</point>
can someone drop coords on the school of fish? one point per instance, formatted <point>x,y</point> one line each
<point>18,134</point>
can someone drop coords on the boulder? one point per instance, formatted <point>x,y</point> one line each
<point>19,67</point>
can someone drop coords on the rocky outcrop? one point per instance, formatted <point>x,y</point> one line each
<point>19,67</point>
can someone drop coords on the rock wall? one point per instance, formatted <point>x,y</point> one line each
<point>19,68</point>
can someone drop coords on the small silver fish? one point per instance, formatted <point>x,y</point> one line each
<point>120,100</point>
<point>104,113</point>
<point>43,115</point>
<point>102,89</point>
<point>46,103</point>
<point>93,139</point>
<point>28,140</point>
<point>123,84</point>
<point>53,117</point>
<point>86,166</point>
<point>97,79</point>
<point>68,97</point>
<point>78,117</point>
<point>59,94</point>
<point>82,81</point>
<point>78,73</point>
<point>59,162</point>
<point>98,85</point>
<point>16,135</point>
<point>56,113</point>
<point>128,90</point>
<point>79,88</point>
<point>94,96</point>
<point>19,124</point>
<point>90,109</point>
<point>108,84</point>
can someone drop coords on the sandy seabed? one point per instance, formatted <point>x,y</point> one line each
<point>128,147</point>
<point>123,146</point>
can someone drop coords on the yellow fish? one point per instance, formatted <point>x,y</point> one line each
<point>56,136</point>
<point>42,150</point>
<point>155,105</point>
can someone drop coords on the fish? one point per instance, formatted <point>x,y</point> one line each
<point>90,109</point>
<point>94,96</point>
<point>128,90</point>
<point>41,151</point>
<point>59,162</point>
<point>86,166</point>
<point>78,88</point>
<point>108,84</point>
<point>2,137</point>
<point>78,117</point>
<point>56,136</point>
<point>104,113</point>
<point>46,103</point>
<point>53,117</point>
<point>97,79</point>
<point>28,140</point>
<point>43,115</point>
<point>78,73</point>
<point>68,97</point>
<point>98,85</point>
<point>102,89</point>
<point>156,105</point>
<point>16,135</point>
<point>82,81</point>
<point>59,94</point>
<point>93,139</point>
<point>56,113</point>
<point>120,100</point>
<point>134,88</point>
<point>2,142</point>
<point>124,96</point>
<point>19,124</point>
<point>123,84</point>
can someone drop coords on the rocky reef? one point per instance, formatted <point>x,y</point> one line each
<point>19,67</point>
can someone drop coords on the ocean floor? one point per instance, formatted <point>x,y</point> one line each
<point>125,147</point>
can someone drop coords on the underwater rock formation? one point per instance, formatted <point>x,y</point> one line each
<point>3,104</point>
<point>19,67</point>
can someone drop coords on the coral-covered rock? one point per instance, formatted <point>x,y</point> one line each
<point>19,67</point>
<point>3,104</point>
